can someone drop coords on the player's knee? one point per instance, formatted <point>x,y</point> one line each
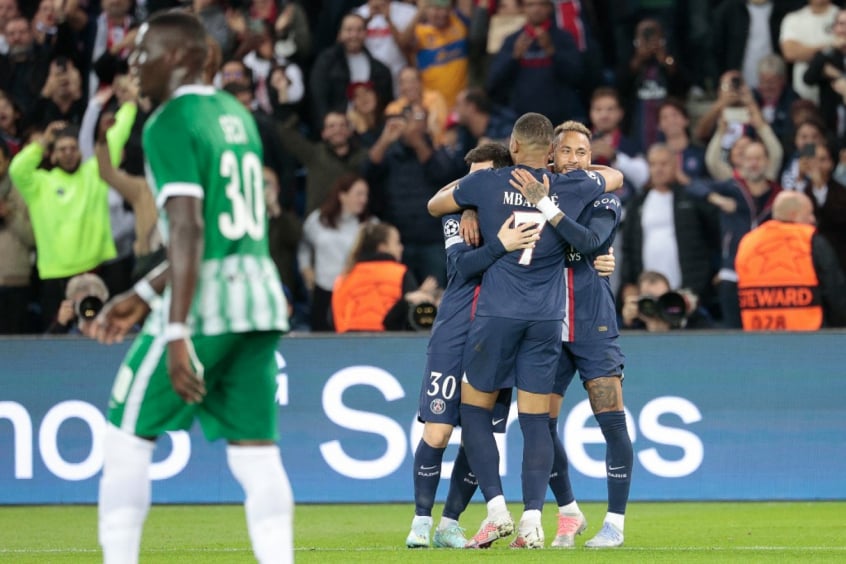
<point>437,435</point>
<point>605,394</point>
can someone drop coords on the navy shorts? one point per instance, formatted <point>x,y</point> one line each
<point>593,359</point>
<point>440,394</point>
<point>504,353</point>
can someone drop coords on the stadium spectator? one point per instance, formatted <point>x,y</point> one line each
<point>213,15</point>
<point>284,230</point>
<point>669,231</point>
<point>292,33</point>
<point>827,72</point>
<point>829,199</point>
<point>326,160</point>
<point>647,79</point>
<point>539,68</point>
<point>16,246</point>
<point>411,92</point>
<point>78,306</point>
<point>344,63</point>
<point>328,237</point>
<point>788,275</point>
<point>365,114</point>
<point>673,123</point>
<point>610,147</point>
<point>745,202</point>
<point>68,205</point>
<point>721,154</point>
<point>808,133</point>
<point>404,170</point>
<point>23,69</point>
<point>744,32</point>
<point>437,39</point>
<point>773,95</point>
<point>114,35</point>
<point>61,97</point>
<point>652,305</point>
<point>10,123</point>
<point>804,33</point>
<point>386,21</point>
<point>376,291</point>
<point>8,10</point>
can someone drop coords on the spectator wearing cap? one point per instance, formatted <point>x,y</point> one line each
<point>84,296</point>
<point>342,64</point>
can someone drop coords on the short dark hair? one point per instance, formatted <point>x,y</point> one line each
<point>606,92</point>
<point>674,103</point>
<point>533,129</point>
<point>478,98</point>
<point>192,33</point>
<point>495,152</point>
<point>69,131</point>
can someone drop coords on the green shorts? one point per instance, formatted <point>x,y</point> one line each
<point>240,376</point>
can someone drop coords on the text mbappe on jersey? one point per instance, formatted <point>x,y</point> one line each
<point>517,199</point>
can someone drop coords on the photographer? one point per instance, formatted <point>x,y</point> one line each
<point>84,298</point>
<point>651,305</point>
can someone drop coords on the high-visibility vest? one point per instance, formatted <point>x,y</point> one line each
<point>777,284</point>
<point>362,297</point>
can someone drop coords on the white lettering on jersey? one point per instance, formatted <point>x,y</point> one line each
<point>233,129</point>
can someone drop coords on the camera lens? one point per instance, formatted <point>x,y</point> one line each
<point>422,316</point>
<point>88,307</point>
<point>647,306</point>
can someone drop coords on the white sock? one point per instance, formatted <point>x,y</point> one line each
<point>497,506</point>
<point>571,508</point>
<point>615,519</point>
<point>425,519</point>
<point>269,502</point>
<point>446,522</point>
<point>530,519</point>
<point>124,498</point>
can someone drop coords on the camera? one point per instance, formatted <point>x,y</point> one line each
<point>88,307</point>
<point>422,316</point>
<point>735,83</point>
<point>671,307</point>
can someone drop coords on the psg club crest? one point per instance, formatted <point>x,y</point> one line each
<point>450,228</point>
<point>437,406</point>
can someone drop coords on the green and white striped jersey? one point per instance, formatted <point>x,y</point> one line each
<point>204,144</point>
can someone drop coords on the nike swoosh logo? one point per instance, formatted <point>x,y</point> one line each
<point>617,468</point>
<point>428,467</point>
<point>497,421</point>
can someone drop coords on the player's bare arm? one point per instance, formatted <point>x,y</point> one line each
<point>613,177</point>
<point>185,251</point>
<point>443,202</point>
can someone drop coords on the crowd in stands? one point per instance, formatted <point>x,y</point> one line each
<point>366,108</point>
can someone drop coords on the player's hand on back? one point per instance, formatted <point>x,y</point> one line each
<point>523,236</point>
<point>605,264</point>
<point>187,382</point>
<point>468,227</point>
<point>532,190</point>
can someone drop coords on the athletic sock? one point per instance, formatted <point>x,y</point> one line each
<point>462,486</point>
<point>427,475</point>
<point>124,497</point>
<point>559,478</point>
<point>478,439</point>
<point>269,501</point>
<point>537,458</point>
<point>616,519</point>
<point>530,519</point>
<point>571,508</point>
<point>618,459</point>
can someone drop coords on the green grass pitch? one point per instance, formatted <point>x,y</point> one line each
<point>655,532</point>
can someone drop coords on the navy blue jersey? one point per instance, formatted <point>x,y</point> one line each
<point>591,312</point>
<point>465,265</point>
<point>528,284</point>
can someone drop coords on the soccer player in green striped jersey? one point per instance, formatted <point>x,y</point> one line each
<point>216,309</point>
